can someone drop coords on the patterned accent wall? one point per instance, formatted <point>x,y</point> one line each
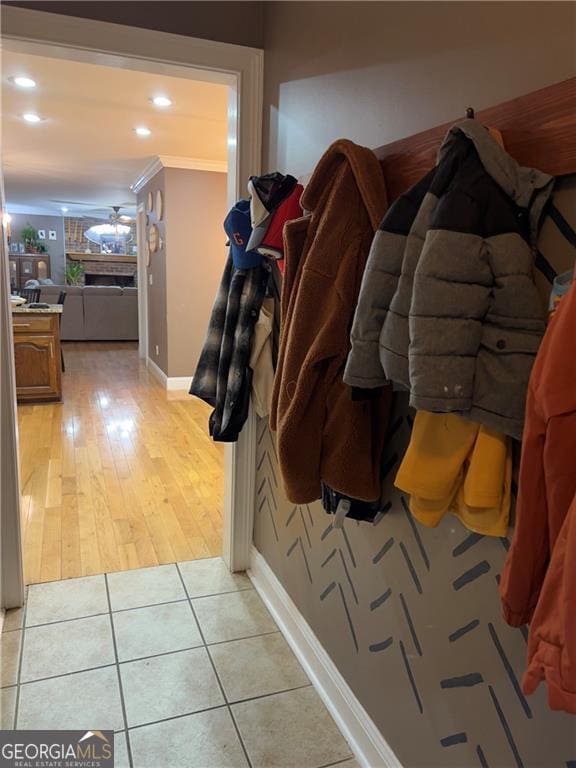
<point>411,618</point>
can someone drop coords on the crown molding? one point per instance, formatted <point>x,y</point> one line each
<point>193,163</point>
<point>153,167</point>
<point>174,161</point>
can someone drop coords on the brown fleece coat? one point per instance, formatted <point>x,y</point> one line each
<point>323,434</point>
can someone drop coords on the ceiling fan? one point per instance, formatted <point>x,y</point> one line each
<point>90,209</point>
<point>117,228</point>
<point>117,217</point>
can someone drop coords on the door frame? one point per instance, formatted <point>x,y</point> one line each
<point>142,274</point>
<point>11,566</point>
<point>241,68</point>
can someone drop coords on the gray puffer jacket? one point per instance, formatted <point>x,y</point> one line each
<point>448,308</point>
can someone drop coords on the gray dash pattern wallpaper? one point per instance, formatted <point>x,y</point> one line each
<point>411,618</point>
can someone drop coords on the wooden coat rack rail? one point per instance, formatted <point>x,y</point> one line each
<point>539,131</point>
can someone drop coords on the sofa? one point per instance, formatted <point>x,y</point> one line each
<point>96,312</point>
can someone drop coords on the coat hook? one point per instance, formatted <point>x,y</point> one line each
<point>470,113</point>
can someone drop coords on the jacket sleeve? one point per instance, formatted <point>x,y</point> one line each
<point>379,283</point>
<point>299,436</point>
<point>450,299</point>
<point>310,348</point>
<point>314,345</point>
<point>527,560</point>
<point>294,240</point>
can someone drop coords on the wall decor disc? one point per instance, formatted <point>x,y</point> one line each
<point>150,202</point>
<point>153,238</point>
<point>159,205</point>
<point>147,252</point>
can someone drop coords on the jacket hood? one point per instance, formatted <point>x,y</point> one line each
<point>367,173</point>
<point>529,188</point>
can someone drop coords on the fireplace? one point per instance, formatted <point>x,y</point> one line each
<point>124,281</point>
<point>107,269</point>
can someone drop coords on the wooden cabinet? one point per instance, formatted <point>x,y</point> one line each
<point>14,262</point>
<point>28,266</point>
<point>37,356</point>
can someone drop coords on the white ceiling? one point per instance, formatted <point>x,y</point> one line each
<point>85,154</point>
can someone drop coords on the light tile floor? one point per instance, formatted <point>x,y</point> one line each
<point>182,661</point>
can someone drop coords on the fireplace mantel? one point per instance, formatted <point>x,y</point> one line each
<point>125,258</point>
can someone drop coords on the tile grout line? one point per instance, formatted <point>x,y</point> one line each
<point>339,762</point>
<point>236,726</point>
<point>117,665</point>
<point>20,660</point>
<point>159,655</point>
<point>62,621</point>
<point>125,610</point>
<point>156,656</point>
<point>127,570</point>
<point>272,693</point>
<point>138,658</point>
<point>246,637</point>
<point>177,717</point>
<point>67,674</point>
<point>218,594</point>
<point>227,703</point>
<point>182,599</point>
<point>144,658</point>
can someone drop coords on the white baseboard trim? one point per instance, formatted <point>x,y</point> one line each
<point>156,371</point>
<point>369,746</point>
<point>178,383</point>
<point>170,383</point>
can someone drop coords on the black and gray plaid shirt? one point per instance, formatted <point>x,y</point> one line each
<point>223,378</point>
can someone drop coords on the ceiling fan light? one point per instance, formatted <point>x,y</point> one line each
<point>98,231</point>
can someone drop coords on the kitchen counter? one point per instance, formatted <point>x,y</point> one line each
<point>24,309</point>
<point>37,353</point>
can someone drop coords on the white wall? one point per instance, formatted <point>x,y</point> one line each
<point>375,72</point>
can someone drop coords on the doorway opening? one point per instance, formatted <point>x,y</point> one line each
<point>118,472</point>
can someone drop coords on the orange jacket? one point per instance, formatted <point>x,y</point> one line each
<point>323,434</point>
<point>539,578</point>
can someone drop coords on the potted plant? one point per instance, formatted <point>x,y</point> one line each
<point>29,237</point>
<point>74,273</point>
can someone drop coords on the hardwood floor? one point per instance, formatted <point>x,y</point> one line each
<point>120,474</point>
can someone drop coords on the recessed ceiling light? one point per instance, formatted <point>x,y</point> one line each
<point>141,130</point>
<point>64,209</point>
<point>161,101</point>
<point>23,82</point>
<point>32,117</point>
